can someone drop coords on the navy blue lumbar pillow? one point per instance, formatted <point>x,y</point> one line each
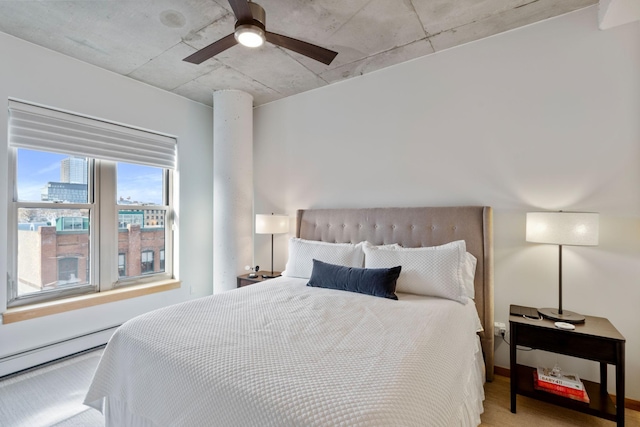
<point>379,282</point>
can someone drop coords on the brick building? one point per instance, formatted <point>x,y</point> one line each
<point>140,251</point>
<point>53,256</point>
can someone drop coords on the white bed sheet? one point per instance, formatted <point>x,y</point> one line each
<point>280,353</point>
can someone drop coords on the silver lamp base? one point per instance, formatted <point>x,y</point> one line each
<point>566,316</point>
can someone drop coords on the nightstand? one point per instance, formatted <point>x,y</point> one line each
<point>245,280</point>
<point>596,339</point>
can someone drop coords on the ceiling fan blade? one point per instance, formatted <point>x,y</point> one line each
<point>242,10</point>
<point>307,49</point>
<point>212,50</point>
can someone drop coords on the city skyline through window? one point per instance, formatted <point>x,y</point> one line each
<point>36,169</point>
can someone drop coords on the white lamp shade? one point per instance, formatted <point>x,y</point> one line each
<point>272,224</point>
<point>563,228</point>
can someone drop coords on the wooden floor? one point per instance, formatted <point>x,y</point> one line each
<point>497,411</point>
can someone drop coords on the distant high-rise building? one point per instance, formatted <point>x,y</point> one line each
<point>72,187</point>
<point>73,170</point>
<point>64,192</point>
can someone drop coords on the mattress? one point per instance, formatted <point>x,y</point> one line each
<point>279,353</point>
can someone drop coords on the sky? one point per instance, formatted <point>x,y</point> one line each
<point>35,168</point>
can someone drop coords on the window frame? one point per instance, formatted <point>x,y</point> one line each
<point>104,228</point>
<point>169,228</point>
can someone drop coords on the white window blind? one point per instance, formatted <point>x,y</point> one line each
<point>38,128</point>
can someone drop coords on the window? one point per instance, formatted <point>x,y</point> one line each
<point>126,218</point>
<point>122,265</point>
<point>146,262</point>
<point>73,223</point>
<point>67,271</point>
<point>69,195</point>
<point>162,260</point>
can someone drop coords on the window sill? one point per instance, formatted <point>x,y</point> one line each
<point>33,311</point>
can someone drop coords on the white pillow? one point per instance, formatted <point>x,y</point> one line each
<point>302,253</point>
<point>367,244</point>
<point>435,271</point>
<point>468,275</point>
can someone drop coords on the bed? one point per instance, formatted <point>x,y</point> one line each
<point>281,353</point>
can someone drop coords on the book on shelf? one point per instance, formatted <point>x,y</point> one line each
<point>556,387</point>
<point>568,392</point>
<point>560,378</point>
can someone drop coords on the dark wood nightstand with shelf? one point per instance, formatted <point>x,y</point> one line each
<point>245,280</point>
<point>596,339</point>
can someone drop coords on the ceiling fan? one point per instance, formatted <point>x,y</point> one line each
<point>250,31</point>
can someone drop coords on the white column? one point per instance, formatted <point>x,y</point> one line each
<point>232,186</point>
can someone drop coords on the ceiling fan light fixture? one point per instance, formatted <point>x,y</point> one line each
<point>250,31</point>
<point>249,35</point>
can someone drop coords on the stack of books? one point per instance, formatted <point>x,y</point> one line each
<point>562,384</point>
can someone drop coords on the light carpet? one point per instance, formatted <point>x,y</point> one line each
<point>51,395</point>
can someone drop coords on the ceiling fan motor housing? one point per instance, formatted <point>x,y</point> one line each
<point>258,14</point>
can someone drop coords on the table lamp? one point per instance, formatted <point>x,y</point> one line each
<point>562,228</point>
<point>271,224</point>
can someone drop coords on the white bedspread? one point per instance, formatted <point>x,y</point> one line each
<point>280,353</point>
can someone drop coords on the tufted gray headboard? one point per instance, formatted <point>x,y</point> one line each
<point>415,227</point>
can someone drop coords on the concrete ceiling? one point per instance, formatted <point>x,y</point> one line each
<point>147,39</point>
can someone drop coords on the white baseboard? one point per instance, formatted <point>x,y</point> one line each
<point>37,356</point>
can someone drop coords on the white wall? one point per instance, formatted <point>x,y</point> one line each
<point>41,76</point>
<point>545,117</point>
